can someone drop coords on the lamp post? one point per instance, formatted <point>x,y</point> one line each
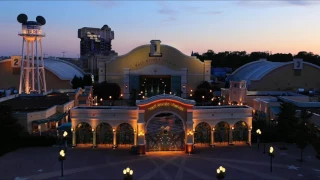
<point>271,154</point>
<point>202,100</point>
<point>101,101</point>
<point>258,137</point>
<point>62,157</point>
<point>121,97</point>
<point>221,172</point>
<point>127,174</point>
<point>65,136</point>
<point>110,99</point>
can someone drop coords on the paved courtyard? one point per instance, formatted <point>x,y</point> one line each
<point>83,163</point>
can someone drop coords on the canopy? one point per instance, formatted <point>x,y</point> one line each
<point>65,127</point>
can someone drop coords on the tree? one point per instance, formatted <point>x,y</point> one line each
<point>76,82</point>
<point>287,121</point>
<point>81,82</point>
<point>11,131</point>
<point>104,90</point>
<point>87,80</point>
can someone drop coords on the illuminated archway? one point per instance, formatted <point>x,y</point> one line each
<point>202,134</point>
<point>125,134</point>
<point>104,134</point>
<point>240,132</point>
<point>221,133</point>
<point>84,133</point>
<point>165,132</point>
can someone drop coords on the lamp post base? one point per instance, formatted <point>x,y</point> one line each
<point>190,148</point>
<point>142,149</point>
<point>212,145</point>
<point>114,147</point>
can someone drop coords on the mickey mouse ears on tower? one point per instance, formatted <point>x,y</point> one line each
<point>41,20</point>
<point>23,18</point>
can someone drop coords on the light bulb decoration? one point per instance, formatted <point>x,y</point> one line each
<point>221,171</point>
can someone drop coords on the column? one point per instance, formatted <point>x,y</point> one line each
<point>207,70</point>
<point>94,138</point>
<point>114,138</point>
<point>73,137</point>
<point>249,136</point>
<point>141,133</point>
<point>189,132</point>
<point>126,81</point>
<point>212,137</point>
<point>230,135</point>
<point>184,82</point>
<point>135,137</point>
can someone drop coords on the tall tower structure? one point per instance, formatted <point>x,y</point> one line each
<point>32,73</point>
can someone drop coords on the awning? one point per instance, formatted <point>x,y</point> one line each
<point>54,118</point>
<point>65,127</point>
<point>275,109</point>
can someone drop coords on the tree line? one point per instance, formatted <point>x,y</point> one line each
<point>236,59</point>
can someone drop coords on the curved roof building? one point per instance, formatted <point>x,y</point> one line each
<point>266,75</point>
<point>58,73</point>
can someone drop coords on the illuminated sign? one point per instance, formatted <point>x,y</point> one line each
<point>34,27</point>
<point>155,60</point>
<point>166,104</point>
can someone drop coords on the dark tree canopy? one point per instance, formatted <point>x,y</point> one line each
<point>81,82</point>
<point>104,90</point>
<point>287,121</point>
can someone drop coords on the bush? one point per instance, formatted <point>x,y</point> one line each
<point>37,141</point>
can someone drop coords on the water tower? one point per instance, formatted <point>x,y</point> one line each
<point>32,74</point>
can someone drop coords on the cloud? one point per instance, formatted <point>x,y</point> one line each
<point>273,3</point>
<point>166,9</point>
<point>106,4</point>
<point>169,19</point>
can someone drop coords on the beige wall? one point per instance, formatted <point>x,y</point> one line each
<point>283,78</point>
<point>10,79</point>
<point>138,59</point>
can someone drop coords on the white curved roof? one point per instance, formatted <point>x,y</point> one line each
<point>63,69</point>
<point>255,70</point>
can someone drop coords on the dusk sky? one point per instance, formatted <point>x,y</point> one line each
<point>242,25</point>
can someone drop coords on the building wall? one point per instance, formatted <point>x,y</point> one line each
<point>284,78</point>
<point>10,77</point>
<point>139,59</point>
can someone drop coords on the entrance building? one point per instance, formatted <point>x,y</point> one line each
<point>160,123</point>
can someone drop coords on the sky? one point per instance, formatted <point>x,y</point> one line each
<point>286,26</point>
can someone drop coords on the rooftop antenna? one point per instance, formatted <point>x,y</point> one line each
<point>63,52</point>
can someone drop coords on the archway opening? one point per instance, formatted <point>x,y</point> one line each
<point>240,132</point>
<point>221,133</point>
<point>125,135</point>
<point>202,134</point>
<point>165,132</point>
<point>104,134</point>
<point>84,133</point>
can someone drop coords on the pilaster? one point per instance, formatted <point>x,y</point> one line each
<point>184,82</point>
<point>126,82</point>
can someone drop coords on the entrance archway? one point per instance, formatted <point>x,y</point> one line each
<point>240,132</point>
<point>84,133</point>
<point>125,135</point>
<point>202,134</point>
<point>221,133</point>
<point>165,132</point>
<point>104,134</point>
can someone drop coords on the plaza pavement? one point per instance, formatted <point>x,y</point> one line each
<point>241,162</point>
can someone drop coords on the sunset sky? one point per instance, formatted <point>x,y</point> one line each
<point>239,25</point>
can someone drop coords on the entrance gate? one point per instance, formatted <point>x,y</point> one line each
<point>165,132</point>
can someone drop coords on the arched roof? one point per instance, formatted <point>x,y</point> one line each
<point>63,69</point>
<point>258,69</point>
<point>255,70</point>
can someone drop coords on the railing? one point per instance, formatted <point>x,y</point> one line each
<point>9,97</point>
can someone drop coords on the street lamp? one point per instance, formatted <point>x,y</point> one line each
<point>110,99</point>
<point>128,174</point>
<point>202,100</point>
<point>221,172</point>
<point>65,137</point>
<point>271,154</point>
<point>62,157</point>
<point>258,137</point>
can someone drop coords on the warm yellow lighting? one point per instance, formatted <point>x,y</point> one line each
<point>131,172</point>
<point>126,86</point>
<point>128,169</point>
<point>211,99</point>
<point>101,99</point>
<point>121,95</point>
<point>190,95</point>
<point>259,131</point>
<point>219,103</point>
<point>170,92</point>
<point>141,133</point>
<point>241,104</point>
<point>202,97</point>
<point>142,97</point>
<point>218,171</point>
<point>166,104</point>
<point>250,127</point>
<point>62,154</point>
<point>191,90</point>
<point>71,129</point>
<point>113,130</point>
<point>134,130</point>
<point>190,133</point>
<point>92,130</point>
<point>141,92</point>
<point>183,86</point>
<point>65,134</point>
<point>271,150</point>
<point>212,129</point>
<point>110,97</point>
<point>124,172</point>
<point>232,128</point>
<point>210,90</point>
